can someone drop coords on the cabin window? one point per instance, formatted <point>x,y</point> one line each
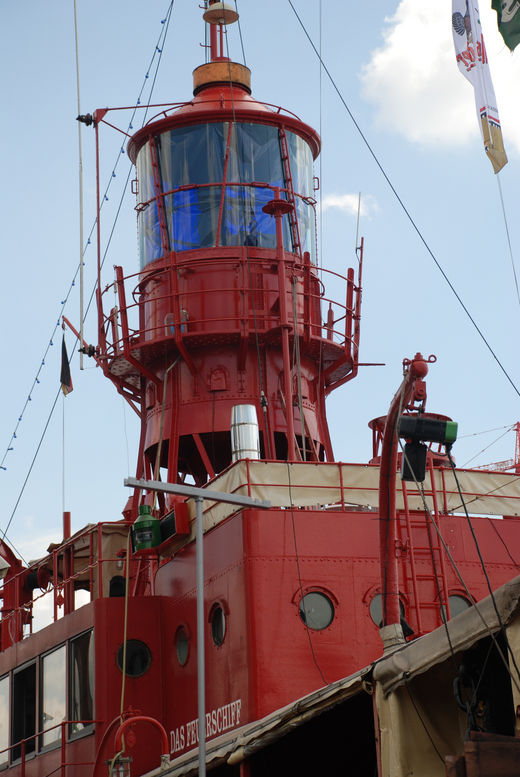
<point>4,720</point>
<point>53,696</point>
<point>316,610</point>
<point>23,720</point>
<point>81,683</point>
<point>182,645</point>
<point>138,658</point>
<point>217,618</point>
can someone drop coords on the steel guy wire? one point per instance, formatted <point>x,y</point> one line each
<point>157,51</point>
<point>403,206</point>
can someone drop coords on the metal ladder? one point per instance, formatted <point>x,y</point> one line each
<point>293,218</point>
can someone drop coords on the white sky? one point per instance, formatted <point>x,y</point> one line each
<point>394,65</point>
<point>409,79</point>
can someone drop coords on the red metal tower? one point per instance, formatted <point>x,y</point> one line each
<point>227,307</point>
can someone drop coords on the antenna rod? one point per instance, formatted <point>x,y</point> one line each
<point>80,183</point>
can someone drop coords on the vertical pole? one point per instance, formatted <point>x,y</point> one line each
<point>98,239</point>
<point>80,170</point>
<point>349,312</point>
<point>445,590</point>
<point>66,524</point>
<point>100,559</point>
<point>201,668</point>
<point>280,208</point>
<point>213,42</point>
<point>417,368</point>
<point>221,40</point>
<point>63,751</point>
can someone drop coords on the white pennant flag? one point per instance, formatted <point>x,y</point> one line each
<point>473,63</point>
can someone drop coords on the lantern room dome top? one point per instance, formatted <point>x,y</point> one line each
<point>222,92</point>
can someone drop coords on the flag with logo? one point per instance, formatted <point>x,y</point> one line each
<point>65,378</point>
<point>508,20</point>
<point>473,64</point>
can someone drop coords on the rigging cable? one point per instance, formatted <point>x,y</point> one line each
<point>420,488</point>
<point>463,583</point>
<point>491,522</point>
<point>488,446</point>
<point>4,531</point>
<point>80,186</point>
<point>321,134</point>
<point>300,582</point>
<point>443,606</point>
<point>298,365</point>
<point>423,723</point>
<point>240,34</point>
<point>319,245</point>
<point>116,757</point>
<point>486,431</point>
<point>482,563</point>
<point>508,239</point>
<point>158,49</point>
<point>403,206</point>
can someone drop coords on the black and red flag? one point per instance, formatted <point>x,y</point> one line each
<point>66,380</point>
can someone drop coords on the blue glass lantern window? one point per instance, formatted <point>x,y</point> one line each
<point>215,180</point>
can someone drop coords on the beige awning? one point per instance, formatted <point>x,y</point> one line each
<point>464,630</point>
<point>307,484</point>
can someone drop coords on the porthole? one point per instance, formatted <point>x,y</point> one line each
<point>182,645</point>
<point>138,658</point>
<point>316,610</point>
<point>376,610</point>
<point>458,604</point>
<point>218,624</point>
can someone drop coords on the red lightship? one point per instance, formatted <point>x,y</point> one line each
<point>244,611</point>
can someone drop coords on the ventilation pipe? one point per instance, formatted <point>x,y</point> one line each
<point>245,439</point>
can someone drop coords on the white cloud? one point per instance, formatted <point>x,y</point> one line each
<point>416,87</point>
<point>349,203</point>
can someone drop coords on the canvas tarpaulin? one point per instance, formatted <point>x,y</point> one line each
<point>326,485</point>
<point>464,630</point>
<point>94,548</point>
<point>419,721</point>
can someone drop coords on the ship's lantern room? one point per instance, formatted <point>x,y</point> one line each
<point>226,307</point>
<point>211,182</point>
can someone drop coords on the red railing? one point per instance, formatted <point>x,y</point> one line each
<point>124,328</point>
<point>21,760</point>
<point>81,558</point>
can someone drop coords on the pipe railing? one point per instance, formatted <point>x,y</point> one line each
<point>59,569</point>
<point>62,741</point>
<point>135,336</point>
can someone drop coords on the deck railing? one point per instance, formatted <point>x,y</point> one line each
<point>7,758</point>
<point>87,561</point>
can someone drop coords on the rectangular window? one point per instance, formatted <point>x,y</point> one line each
<point>53,705</point>
<point>23,721</point>
<point>4,721</point>
<point>81,704</point>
